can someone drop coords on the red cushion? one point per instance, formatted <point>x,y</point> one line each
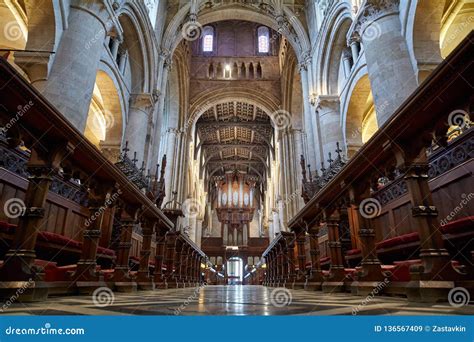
<point>105,251</point>
<point>324,260</point>
<point>59,239</point>
<point>464,225</point>
<point>353,251</point>
<point>398,240</point>
<point>134,258</point>
<point>7,228</point>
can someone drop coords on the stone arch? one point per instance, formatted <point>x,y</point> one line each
<point>298,38</point>
<point>333,37</point>
<point>207,99</point>
<point>139,45</point>
<point>105,122</point>
<point>434,29</point>
<point>359,114</point>
<point>13,25</point>
<point>44,31</point>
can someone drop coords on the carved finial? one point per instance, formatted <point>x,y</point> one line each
<point>134,160</point>
<point>322,167</point>
<point>125,149</point>
<point>156,172</point>
<point>310,175</point>
<point>338,150</point>
<point>330,159</point>
<point>303,168</point>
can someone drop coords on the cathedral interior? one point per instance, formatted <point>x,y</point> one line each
<point>236,157</point>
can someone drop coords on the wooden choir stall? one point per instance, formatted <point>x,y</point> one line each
<point>399,214</point>
<point>72,220</point>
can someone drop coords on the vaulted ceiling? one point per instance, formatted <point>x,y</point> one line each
<point>236,136</point>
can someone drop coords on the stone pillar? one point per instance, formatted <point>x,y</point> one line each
<point>327,109</point>
<point>355,49</point>
<point>391,72</point>
<point>347,63</point>
<point>73,73</point>
<point>334,282</point>
<point>144,280</point>
<point>171,156</point>
<point>141,107</point>
<point>312,138</point>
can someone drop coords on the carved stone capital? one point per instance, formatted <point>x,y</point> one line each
<point>143,101</point>
<point>325,102</point>
<point>371,11</point>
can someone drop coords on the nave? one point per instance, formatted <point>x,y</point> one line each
<point>234,300</point>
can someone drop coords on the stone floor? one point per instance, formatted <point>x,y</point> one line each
<point>229,300</point>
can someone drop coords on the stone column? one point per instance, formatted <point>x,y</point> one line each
<point>391,72</point>
<point>141,107</point>
<point>347,62</point>
<point>355,49</point>
<point>328,110</point>
<point>312,138</point>
<point>144,281</point>
<point>73,73</point>
<point>171,156</point>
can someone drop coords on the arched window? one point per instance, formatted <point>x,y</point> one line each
<point>208,39</point>
<point>263,39</point>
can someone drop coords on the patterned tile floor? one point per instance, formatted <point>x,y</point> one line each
<point>230,300</point>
